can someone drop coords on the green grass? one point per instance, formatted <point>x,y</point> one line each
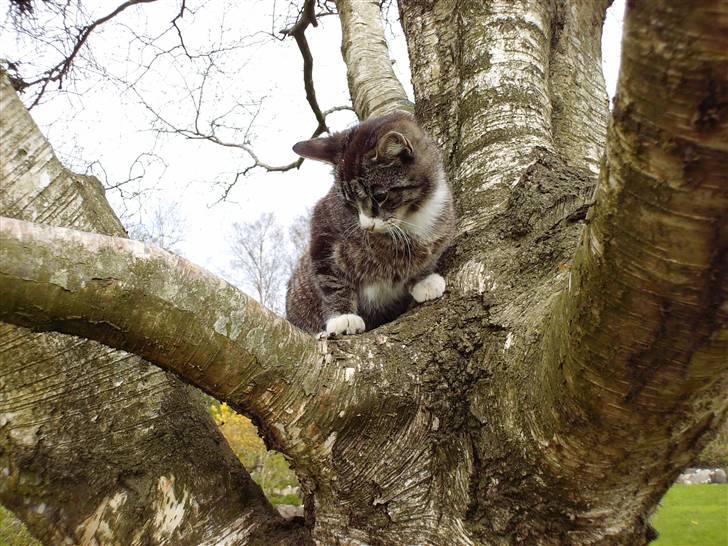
<point>689,515</point>
<point>275,500</point>
<point>693,515</point>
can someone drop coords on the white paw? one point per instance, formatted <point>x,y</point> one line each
<point>344,324</point>
<point>429,288</point>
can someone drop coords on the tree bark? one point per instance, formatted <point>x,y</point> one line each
<point>644,365</point>
<point>577,361</point>
<point>98,447</point>
<point>374,88</point>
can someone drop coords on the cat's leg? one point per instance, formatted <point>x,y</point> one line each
<point>337,295</point>
<point>339,306</point>
<point>429,288</point>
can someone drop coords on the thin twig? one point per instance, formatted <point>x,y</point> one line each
<point>58,72</point>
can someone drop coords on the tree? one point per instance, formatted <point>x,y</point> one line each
<point>576,364</point>
<point>163,226</point>
<point>259,258</point>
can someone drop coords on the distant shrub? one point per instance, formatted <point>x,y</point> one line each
<point>269,469</point>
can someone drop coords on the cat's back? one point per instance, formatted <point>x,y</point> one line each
<point>303,296</point>
<point>303,302</point>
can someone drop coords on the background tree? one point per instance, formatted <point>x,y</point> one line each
<point>576,364</point>
<point>260,253</point>
<point>298,236</point>
<point>162,226</point>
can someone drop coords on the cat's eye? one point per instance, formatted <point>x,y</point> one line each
<point>406,187</point>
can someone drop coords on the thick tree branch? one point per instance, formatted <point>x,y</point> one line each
<point>69,406</point>
<point>374,88</point>
<point>151,303</point>
<point>579,103</point>
<point>636,346</point>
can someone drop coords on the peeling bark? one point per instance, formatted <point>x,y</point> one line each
<point>93,441</point>
<point>577,361</point>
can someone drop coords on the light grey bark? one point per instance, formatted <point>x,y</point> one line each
<point>374,88</point>
<point>96,445</point>
<point>577,361</point>
<point>579,103</point>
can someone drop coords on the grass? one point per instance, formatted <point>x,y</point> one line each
<point>693,515</point>
<point>689,515</point>
<point>275,500</point>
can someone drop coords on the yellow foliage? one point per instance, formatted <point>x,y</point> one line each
<point>241,434</point>
<point>268,468</point>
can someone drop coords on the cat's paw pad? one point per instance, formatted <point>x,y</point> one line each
<point>429,288</point>
<point>344,324</point>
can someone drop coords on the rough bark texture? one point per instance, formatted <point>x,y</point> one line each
<point>578,358</point>
<point>96,445</point>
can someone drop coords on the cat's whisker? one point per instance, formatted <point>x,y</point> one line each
<point>425,230</point>
<point>374,264</point>
<point>395,239</point>
<point>410,244</point>
<point>406,240</point>
<point>397,233</point>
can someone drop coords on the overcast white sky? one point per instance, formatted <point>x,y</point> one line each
<point>102,119</point>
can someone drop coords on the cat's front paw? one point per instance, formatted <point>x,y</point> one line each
<point>429,288</point>
<point>344,324</point>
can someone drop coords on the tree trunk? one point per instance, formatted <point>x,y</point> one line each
<point>97,446</point>
<point>578,360</point>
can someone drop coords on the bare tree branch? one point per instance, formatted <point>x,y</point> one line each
<point>298,31</point>
<point>58,72</point>
<point>182,9</point>
<point>210,134</point>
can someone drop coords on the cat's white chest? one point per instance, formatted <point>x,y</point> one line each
<point>381,294</point>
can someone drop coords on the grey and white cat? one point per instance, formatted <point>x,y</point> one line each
<point>377,235</point>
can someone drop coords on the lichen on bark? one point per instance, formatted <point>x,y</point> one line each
<point>576,361</point>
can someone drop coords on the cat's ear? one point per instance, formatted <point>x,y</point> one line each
<point>394,145</point>
<point>327,149</point>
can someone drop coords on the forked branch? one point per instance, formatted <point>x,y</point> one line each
<point>637,342</point>
<point>151,303</point>
<point>57,73</point>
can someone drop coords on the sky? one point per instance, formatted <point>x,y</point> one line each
<point>103,121</point>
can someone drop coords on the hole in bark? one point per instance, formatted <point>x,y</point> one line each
<point>268,468</point>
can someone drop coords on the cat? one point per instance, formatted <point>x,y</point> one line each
<point>377,235</point>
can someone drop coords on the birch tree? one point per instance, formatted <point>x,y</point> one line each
<point>575,365</point>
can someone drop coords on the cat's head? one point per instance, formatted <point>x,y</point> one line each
<point>388,171</point>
